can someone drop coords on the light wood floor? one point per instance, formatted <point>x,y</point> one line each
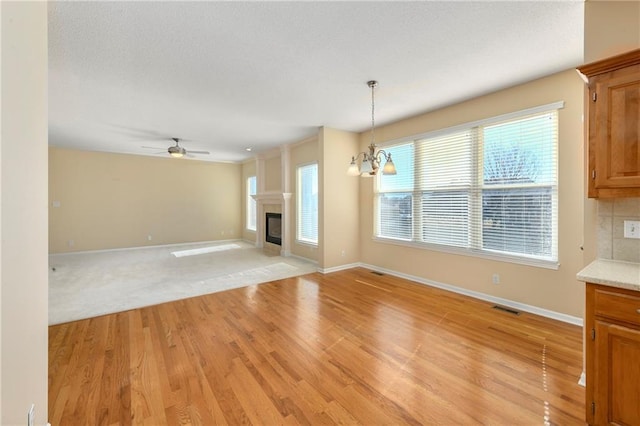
<point>350,347</point>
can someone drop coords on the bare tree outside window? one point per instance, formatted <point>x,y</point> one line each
<point>515,219</point>
<point>510,164</point>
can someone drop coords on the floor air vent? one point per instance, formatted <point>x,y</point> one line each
<point>377,273</point>
<point>509,310</point>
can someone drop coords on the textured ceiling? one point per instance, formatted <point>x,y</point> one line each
<point>225,76</point>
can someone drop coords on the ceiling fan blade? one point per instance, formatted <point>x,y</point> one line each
<point>198,152</point>
<point>150,147</point>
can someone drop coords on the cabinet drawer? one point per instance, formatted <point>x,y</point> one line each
<point>619,306</point>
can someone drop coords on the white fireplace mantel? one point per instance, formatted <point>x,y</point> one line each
<point>282,199</point>
<point>272,196</point>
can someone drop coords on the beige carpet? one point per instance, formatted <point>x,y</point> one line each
<point>89,284</point>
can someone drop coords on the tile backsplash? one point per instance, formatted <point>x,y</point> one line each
<point>611,216</point>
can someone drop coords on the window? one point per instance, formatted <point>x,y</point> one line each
<point>307,204</point>
<point>488,188</point>
<point>251,203</point>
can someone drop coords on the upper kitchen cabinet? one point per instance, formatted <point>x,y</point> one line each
<point>614,125</point>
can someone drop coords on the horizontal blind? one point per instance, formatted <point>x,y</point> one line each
<point>445,173</point>
<point>519,186</point>
<point>395,196</point>
<point>251,203</point>
<point>491,187</point>
<point>307,204</point>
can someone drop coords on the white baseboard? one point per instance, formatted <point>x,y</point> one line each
<point>583,379</point>
<point>477,295</point>
<point>147,247</point>
<point>339,268</point>
<point>482,296</point>
<point>295,256</point>
<point>252,242</point>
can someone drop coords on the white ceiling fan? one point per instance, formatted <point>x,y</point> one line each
<point>178,151</point>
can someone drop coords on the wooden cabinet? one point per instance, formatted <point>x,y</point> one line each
<point>613,106</point>
<point>613,356</point>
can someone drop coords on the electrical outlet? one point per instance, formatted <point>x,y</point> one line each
<point>71,243</point>
<point>496,278</point>
<point>631,229</point>
<point>149,237</point>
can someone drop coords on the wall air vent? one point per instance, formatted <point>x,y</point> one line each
<point>504,309</point>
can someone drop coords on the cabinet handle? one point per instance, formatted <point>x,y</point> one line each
<point>638,311</point>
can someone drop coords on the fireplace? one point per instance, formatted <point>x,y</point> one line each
<point>273,232</point>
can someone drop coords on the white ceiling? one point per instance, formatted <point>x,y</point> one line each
<point>225,76</point>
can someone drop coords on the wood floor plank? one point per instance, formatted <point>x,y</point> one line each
<point>349,347</point>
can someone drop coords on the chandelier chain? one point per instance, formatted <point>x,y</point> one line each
<point>372,160</point>
<point>373,107</point>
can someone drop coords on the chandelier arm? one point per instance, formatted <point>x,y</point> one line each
<point>362,153</point>
<point>384,153</point>
<point>372,159</point>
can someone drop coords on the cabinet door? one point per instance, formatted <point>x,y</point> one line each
<point>617,115</point>
<point>617,381</point>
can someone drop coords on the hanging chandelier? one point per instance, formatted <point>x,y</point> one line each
<point>371,160</point>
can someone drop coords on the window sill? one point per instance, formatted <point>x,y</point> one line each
<point>538,263</point>
<point>307,243</point>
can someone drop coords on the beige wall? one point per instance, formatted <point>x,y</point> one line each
<point>23,261</point>
<point>339,228</point>
<point>548,289</point>
<point>273,174</point>
<point>300,154</point>
<point>611,28</point>
<point>23,226</point>
<point>114,201</point>
<point>248,169</point>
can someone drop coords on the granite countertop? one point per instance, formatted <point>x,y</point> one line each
<point>613,273</point>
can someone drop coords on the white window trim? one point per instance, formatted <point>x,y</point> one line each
<point>484,254</point>
<point>465,126</point>
<point>255,204</point>
<point>298,240</point>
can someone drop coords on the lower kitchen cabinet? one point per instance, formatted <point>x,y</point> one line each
<point>612,355</point>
